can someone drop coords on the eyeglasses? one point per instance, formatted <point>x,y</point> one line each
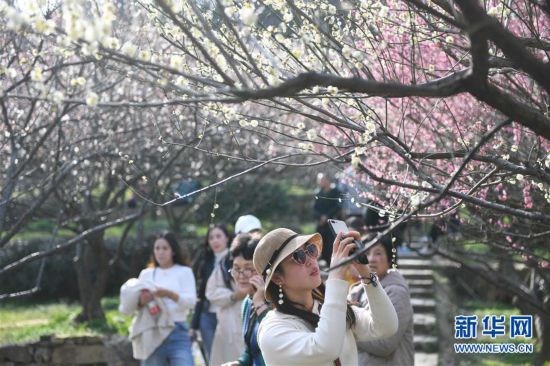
<point>247,272</point>
<point>300,255</point>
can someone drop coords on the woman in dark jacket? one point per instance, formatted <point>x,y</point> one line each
<point>214,250</point>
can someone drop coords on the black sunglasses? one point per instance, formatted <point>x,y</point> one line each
<point>300,255</point>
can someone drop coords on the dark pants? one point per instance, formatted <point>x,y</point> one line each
<point>208,328</point>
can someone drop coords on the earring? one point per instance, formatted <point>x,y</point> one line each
<point>281,301</point>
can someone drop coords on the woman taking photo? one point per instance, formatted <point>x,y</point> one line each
<point>175,287</point>
<point>214,250</point>
<point>314,325</point>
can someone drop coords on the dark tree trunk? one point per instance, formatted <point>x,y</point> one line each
<point>544,355</point>
<point>544,334</point>
<point>92,269</point>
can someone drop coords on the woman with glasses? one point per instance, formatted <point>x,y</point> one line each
<point>313,324</point>
<point>254,306</point>
<point>226,296</point>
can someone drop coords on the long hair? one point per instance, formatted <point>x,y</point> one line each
<point>205,253</point>
<point>180,255</point>
<point>292,308</point>
<point>223,228</point>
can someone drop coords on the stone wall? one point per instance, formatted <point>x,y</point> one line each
<point>114,350</point>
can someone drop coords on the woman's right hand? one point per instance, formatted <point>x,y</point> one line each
<point>145,296</point>
<point>341,247</point>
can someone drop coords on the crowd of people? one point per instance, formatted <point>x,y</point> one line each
<point>255,299</point>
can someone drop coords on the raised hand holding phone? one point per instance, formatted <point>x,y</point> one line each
<point>338,226</point>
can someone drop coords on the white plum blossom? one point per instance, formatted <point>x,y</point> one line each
<point>346,51</point>
<point>176,61</point>
<point>181,81</point>
<point>11,72</point>
<point>112,43</point>
<point>129,49</point>
<point>229,11</point>
<point>493,11</point>
<point>144,55</point>
<point>248,15</point>
<point>36,74</point>
<point>355,161</point>
<point>57,97</point>
<point>44,26</point>
<point>92,99</point>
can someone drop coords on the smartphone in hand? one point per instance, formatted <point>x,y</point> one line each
<point>339,226</point>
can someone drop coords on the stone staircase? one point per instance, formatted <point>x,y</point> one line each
<point>419,273</point>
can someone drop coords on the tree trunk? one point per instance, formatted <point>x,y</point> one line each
<point>92,269</point>
<point>544,355</point>
<point>544,334</point>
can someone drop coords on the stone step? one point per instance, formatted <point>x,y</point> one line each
<point>421,283</point>
<point>411,274</point>
<point>412,259</point>
<point>426,359</point>
<point>422,293</point>
<point>414,263</point>
<point>423,305</point>
<point>426,343</point>
<point>424,323</point>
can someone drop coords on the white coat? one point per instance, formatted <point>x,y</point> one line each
<point>146,331</point>
<point>228,341</point>
<point>288,340</point>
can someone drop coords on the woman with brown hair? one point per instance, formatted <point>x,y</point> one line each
<point>174,285</point>
<point>214,251</point>
<point>313,324</point>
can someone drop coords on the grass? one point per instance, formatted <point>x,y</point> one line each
<point>481,309</point>
<point>23,322</point>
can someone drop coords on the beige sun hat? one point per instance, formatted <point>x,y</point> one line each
<point>276,246</point>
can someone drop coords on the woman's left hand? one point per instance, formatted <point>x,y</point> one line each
<point>162,292</point>
<point>258,282</point>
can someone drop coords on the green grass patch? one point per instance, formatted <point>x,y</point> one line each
<point>24,322</point>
